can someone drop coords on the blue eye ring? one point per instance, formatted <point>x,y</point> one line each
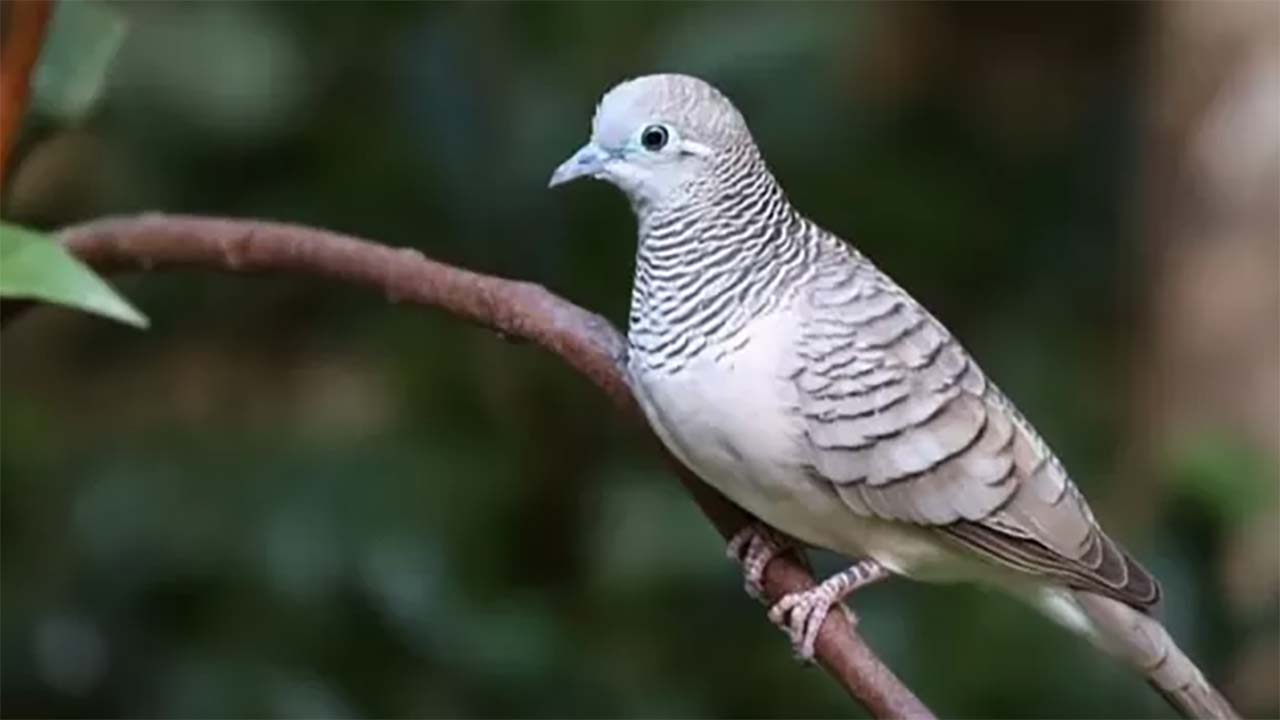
<point>654,137</point>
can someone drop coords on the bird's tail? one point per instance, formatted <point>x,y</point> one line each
<point>1142,641</point>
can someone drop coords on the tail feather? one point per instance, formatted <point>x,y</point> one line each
<point>1142,641</point>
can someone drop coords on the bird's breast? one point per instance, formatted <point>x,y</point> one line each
<point>733,419</point>
<point>726,410</point>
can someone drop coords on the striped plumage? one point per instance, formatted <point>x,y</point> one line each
<point>706,266</point>
<point>875,374</point>
<point>791,374</point>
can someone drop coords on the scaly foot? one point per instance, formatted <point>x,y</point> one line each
<point>801,614</point>
<point>754,546</point>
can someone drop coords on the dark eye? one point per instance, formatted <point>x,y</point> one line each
<point>654,138</point>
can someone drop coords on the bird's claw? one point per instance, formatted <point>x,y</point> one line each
<point>754,546</point>
<point>801,614</point>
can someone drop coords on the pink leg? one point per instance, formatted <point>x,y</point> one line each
<point>801,614</point>
<point>754,546</point>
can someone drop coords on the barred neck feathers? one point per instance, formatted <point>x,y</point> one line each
<point>730,250</point>
<point>719,243</point>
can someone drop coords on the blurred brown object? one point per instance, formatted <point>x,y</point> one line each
<point>1213,222</point>
<point>1208,354</point>
<point>22,32</point>
<point>64,172</point>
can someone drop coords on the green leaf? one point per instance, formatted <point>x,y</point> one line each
<point>34,267</point>
<point>76,58</point>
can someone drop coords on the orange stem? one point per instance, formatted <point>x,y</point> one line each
<point>24,23</point>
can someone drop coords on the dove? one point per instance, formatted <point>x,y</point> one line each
<point>787,371</point>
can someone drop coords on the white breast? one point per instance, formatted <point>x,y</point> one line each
<point>733,420</point>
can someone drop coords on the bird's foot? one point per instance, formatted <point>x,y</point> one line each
<point>801,614</point>
<point>754,546</point>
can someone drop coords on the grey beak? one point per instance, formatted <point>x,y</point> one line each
<point>588,161</point>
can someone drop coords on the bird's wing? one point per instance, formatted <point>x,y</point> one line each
<point>906,427</point>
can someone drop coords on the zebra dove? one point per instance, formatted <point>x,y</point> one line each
<point>786,370</point>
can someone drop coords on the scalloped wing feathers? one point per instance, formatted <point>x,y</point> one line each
<point>906,427</point>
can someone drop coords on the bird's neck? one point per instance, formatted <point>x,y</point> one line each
<point>731,251</point>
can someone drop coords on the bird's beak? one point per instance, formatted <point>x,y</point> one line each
<point>588,161</point>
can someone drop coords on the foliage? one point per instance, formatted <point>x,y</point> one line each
<point>76,58</point>
<point>34,267</point>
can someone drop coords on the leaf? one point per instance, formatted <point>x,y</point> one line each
<point>72,73</point>
<point>34,267</point>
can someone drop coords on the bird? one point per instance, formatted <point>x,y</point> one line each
<point>790,373</point>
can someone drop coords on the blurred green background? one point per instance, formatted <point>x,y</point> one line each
<point>293,499</point>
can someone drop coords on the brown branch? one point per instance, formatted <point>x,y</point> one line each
<point>586,341</point>
<point>23,24</point>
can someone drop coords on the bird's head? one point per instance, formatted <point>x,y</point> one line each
<point>657,135</point>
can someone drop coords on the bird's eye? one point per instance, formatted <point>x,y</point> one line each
<point>654,138</point>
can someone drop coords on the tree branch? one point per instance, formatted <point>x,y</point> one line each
<point>584,340</point>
